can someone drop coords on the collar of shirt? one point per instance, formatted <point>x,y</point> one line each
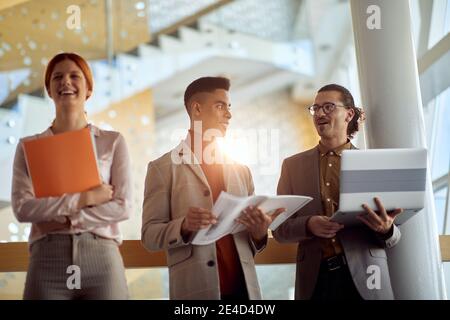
<point>338,151</point>
<point>192,139</point>
<point>210,149</point>
<point>94,130</point>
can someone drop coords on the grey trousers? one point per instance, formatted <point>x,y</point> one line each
<point>70,267</point>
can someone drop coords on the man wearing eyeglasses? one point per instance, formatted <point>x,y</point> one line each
<point>333,262</point>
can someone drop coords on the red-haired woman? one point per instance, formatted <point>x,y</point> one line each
<point>74,238</point>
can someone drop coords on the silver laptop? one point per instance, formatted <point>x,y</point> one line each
<point>396,176</point>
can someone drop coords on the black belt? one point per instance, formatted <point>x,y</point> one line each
<point>333,263</point>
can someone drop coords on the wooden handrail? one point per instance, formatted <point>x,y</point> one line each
<point>445,247</point>
<point>14,255</point>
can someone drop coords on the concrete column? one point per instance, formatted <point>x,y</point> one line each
<point>390,91</point>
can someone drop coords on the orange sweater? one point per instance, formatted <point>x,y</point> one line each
<point>232,281</point>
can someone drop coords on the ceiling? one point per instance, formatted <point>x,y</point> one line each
<point>248,79</point>
<point>10,3</point>
<point>40,30</point>
<point>274,21</point>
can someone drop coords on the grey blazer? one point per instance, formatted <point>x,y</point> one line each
<point>362,246</point>
<point>172,186</point>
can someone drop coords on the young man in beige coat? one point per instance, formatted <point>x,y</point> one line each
<point>180,190</point>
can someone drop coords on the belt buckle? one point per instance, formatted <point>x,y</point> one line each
<point>334,263</point>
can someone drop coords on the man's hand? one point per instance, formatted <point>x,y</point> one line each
<point>380,221</point>
<point>196,219</point>
<point>257,222</point>
<point>322,227</point>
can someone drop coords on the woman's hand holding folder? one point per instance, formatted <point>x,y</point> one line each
<point>96,196</point>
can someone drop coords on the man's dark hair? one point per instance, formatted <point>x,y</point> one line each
<point>348,101</point>
<point>205,84</point>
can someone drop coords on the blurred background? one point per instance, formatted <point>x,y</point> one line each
<point>143,54</point>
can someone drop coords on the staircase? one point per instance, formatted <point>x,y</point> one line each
<point>146,67</point>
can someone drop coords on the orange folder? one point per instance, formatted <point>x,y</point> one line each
<point>63,163</point>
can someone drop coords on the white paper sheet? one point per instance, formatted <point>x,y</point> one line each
<point>229,207</point>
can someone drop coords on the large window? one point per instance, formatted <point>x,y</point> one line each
<point>440,21</point>
<point>441,135</point>
<point>437,114</point>
<point>440,198</point>
<point>447,18</point>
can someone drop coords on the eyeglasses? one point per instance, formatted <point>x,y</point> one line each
<point>327,107</point>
